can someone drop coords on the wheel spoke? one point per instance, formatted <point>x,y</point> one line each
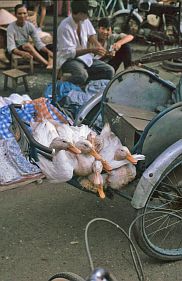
<point>161,223</point>
<point>164,227</point>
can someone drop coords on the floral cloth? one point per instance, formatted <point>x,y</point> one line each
<point>14,165</point>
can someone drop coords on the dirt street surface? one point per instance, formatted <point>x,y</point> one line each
<point>42,226</point>
<point>42,233</point>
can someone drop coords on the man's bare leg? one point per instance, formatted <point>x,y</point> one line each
<point>50,63</point>
<point>29,48</point>
<point>42,16</point>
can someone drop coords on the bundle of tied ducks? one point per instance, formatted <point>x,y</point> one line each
<point>98,161</point>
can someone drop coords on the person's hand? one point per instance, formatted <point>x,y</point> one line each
<point>99,51</point>
<point>116,46</point>
<point>27,56</point>
<point>111,53</point>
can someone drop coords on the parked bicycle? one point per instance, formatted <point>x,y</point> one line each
<point>160,23</point>
<point>111,8</point>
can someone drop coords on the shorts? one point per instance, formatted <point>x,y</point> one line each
<point>46,3</point>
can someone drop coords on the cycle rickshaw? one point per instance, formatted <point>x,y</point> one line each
<point>134,104</point>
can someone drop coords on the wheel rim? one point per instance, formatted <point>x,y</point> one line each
<point>162,222</point>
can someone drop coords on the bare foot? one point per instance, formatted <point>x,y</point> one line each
<point>50,63</point>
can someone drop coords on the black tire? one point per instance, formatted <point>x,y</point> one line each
<point>172,65</point>
<point>122,23</point>
<point>69,276</point>
<point>158,229</point>
<point>172,40</point>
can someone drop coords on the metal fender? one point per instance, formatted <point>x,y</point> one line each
<point>127,11</point>
<point>86,108</point>
<point>153,173</point>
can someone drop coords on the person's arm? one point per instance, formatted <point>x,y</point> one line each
<point>68,49</point>
<point>126,39</point>
<point>37,41</point>
<point>22,54</point>
<point>94,46</point>
<point>35,37</point>
<point>95,50</point>
<point>11,44</point>
<point>93,41</point>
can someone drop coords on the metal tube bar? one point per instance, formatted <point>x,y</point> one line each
<point>54,71</point>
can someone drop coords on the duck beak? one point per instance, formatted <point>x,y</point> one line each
<point>130,158</point>
<point>107,167</point>
<point>95,154</point>
<point>92,140</point>
<point>74,149</point>
<point>96,180</point>
<point>101,191</point>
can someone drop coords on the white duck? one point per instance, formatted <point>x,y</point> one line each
<point>64,163</point>
<point>60,169</point>
<point>97,179</point>
<point>118,156</point>
<point>86,159</point>
<point>97,145</point>
<point>62,144</point>
<point>94,182</point>
<point>67,164</point>
<point>75,134</point>
<point>44,132</point>
<point>106,144</point>
<point>71,133</point>
<point>120,177</point>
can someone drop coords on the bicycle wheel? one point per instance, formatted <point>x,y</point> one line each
<point>170,29</point>
<point>172,65</point>
<point>158,230</point>
<point>125,23</point>
<point>66,276</point>
<point>99,12</point>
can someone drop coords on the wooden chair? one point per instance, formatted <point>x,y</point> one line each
<point>16,61</point>
<point>15,75</point>
<point>20,63</point>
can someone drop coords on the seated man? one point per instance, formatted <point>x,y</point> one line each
<point>18,33</point>
<point>118,50</point>
<point>74,56</point>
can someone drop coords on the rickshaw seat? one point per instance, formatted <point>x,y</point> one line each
<point>131,101</point>
<point>132,121</point>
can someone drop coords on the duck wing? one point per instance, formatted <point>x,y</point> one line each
<point>109,138</point>
<point>120,177</point>
<point>80,132</point>
<point>64,163</point>
<point>47,168</point>
<point>44,132</point>
<point>71,133</point>
<point>138,157</point>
